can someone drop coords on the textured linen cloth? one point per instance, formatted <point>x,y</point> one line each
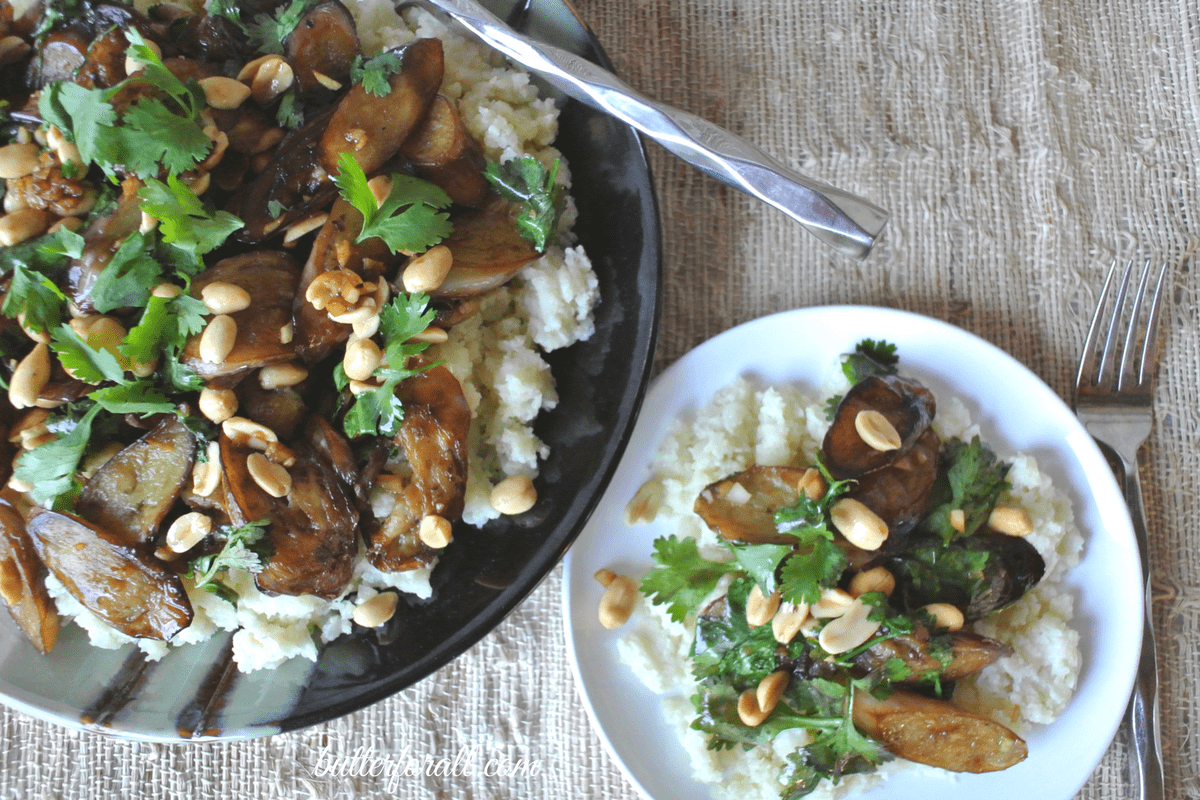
<point>1017,144</point>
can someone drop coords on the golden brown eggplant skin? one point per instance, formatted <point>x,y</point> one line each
<point>270,278</point>
<point>433,438</point>
<point>445,153</point>
<point>741,507</point>
<point>969,653</point>
<point>372,128</point>
<point>122,585</point>
<point>312,531</point>
<point>906,404</point>
<point>937,733</point>
<point>487,250</point>
<point>23,583</point>
<point>134,490</point>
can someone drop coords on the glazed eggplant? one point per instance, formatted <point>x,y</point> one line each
<point>487,250</point>
<point>131,494</point>
<point>968,653</point>
<point>23,583</point>
<point>433,439</point>
<point>263,329</point>
<point>313,526</point>
<point>322,46</point>
<point>124,586</point>
<point>937,733</point>
<point>906,404</point>
<point>445,153</point>
<point>741,507</point>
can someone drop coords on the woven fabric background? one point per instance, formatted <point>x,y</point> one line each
<point>1018,145</point>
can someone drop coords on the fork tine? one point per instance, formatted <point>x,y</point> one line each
<point>1150,343</point>
<point>1133,332</point>
<point>1088,369</point>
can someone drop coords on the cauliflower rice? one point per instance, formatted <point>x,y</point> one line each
<point>745,424</point>
<point>496,356</point>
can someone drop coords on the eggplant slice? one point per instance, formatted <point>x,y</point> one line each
<point>23,583</point>
<point>906,404</point>
<point>313,527</point>
<point>741,507</point>
<point>134,490</point>
<point>969,653</point>
<point>937,733</point>
<point>433,438</point>
<point>122,585</point>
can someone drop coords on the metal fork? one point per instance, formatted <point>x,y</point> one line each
<point>1113,399</point>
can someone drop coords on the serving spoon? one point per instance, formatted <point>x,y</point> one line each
<point>841,220</point>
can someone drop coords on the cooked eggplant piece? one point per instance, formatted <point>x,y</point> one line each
<point>134,490</point>
<point>445,153</point>
<point>487,250</point>
<point>906,404</point>
<point>294,179</point>
<point>270,278</point>
<point>969,653</point>
<point>372,127</point>
<point>324,42</point>
<point>281,410</point>
<point>209,37</point>
<point>741,508</point>
<point>930,571</point>
<point>937,733</point>
<point>316,333</point>
<point>63,52</point>
<point>433,438</point>
<point>312,532</point>
<point>23,583</point>
<point>120,584</point>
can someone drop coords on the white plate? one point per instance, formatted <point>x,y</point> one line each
<point>1016,411</point>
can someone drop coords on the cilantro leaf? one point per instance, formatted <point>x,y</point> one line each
<point>409,219</point>
<point>138,397</point>
<point>84,115</point>
<point>373,73</point>
<point>150,134</point>
<point>85,362</point>
<point>930,570</point>
<point>814,567</point>
<point>379,411</point>
<point>526,181</point>
<point>760,561</point>
<point>145,340</point>
<point>870,358</point>
<point>185,221</point>
<point>973,480</point>
<point>683,577</point>
<point>230,9</point>
<point>35,295</point>
<point>267,32</point>
<point>50,468</point>
<point>128,277</point>
<point>244,549</point>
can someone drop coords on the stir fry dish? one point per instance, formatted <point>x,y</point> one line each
<point>845,604</point>
<point>229,239</point>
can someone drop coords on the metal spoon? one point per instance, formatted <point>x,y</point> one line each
<point>841,220</point>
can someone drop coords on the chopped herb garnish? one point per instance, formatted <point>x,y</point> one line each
<point>683,577</point>
<point>184,221</point>
<point>526,181</point>
<point>373,73</point>
<point>409,219</point>
<point>268,31</point>
<point>244,549</point>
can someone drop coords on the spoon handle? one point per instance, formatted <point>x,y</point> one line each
<point>841,220</point>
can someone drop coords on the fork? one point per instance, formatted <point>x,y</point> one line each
<point>1113,400</point>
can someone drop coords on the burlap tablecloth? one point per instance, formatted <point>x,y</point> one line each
<point>1017,145</point>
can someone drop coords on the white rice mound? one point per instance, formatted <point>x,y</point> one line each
<point>745,424</point>
<point>496,356</point>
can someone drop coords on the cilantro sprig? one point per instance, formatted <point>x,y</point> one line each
<point>185,222</point>
<point>373,73</point>
<point>244,549</point>
<point>152,133</point>
<point>50,468</point>
<point>683,577</point>
<point>409,219</point>
<point>526,181</point>
<point>973,480</point>
<point>379,411</point>
<point>268,31</point>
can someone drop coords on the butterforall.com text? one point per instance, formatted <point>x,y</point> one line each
<point>390,768</point>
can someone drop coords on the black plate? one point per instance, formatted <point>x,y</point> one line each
<point>194,692</point>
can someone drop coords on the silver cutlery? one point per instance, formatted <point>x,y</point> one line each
<point>841,220</point>
<point>1114,401</point>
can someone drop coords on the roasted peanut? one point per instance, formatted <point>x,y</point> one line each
<point>761,608</point>
<point>515,494</point>
<point>877,431</point>
<point>876,579</point>
<point>377,610</point>
<point>617,603</point>
<point>849,630</point>
<point>861,526</point>
<point>1011,521</point>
